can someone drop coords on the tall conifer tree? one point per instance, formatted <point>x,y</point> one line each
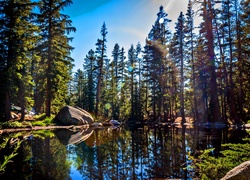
<point>190,38</point>
<point>243,55</point>
<point>158,64</point>
<point>208,16</point>
<point>101,57</point>
<point>89,67</point>
<point>178,55</point>
<point>55,51</point>
<point>17,38</point>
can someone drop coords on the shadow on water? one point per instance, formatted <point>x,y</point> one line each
<point>112,153</point>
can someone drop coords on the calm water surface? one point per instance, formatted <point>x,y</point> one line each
<point>110,153</point>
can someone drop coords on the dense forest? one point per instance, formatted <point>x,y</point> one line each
<point>202,72</point>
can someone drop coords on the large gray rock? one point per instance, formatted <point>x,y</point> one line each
<point>240,172</point>
<point>69,115</point>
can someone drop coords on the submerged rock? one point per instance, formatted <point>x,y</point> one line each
<point>241,172</point>
<point>69,115</point>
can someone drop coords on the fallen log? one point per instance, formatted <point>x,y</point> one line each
<point>12,130</point>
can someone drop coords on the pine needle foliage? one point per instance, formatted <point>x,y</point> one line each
<point>209,166</point>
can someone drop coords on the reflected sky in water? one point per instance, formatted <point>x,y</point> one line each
<point>74,174</point>
<point>112,153</point>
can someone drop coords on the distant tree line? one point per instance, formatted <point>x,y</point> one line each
<point>202,72</point>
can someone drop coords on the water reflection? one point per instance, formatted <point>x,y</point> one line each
<point>66,136</point>
<point>136,153</point>
<point>41,156</point>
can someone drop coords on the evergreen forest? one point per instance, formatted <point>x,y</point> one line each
<point>199,71</point>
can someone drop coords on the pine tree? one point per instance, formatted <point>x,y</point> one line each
<point>190,38</point>
<point>225,42</point>
<point>158,65</point>
<point>54,49</point>
<point>122,85</point>
<point>208,17</point>
<point>131,76</point>
<point>115,80</point>
<point>202,87</point>
<point>80,89</point>
<point>243,55</point>
<point>146,78</point>
<point>121,65</point>
<point>101,57</point>
<point>178,57</point>
<point>140,92</point>
<point>115,55</point>
<point>18,37</point>
<point>89,67</point>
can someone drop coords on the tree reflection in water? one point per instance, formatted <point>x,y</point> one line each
<point>142,153</point>
<point>114,153</point>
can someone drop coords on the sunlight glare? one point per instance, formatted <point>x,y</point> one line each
<point>130,68</point>
<point>161,20</point>
<point>107,106</point>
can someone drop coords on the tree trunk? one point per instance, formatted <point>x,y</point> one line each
<point>22,101</point>
<point>7,106</point>
<point>223,76</point>
<point>231,95</point>
<point>182,76</point>
<point>49,64</point>
<point>98,90</point>
<point>214,107</point>
<point>196,115</point>
<point>239,56</point>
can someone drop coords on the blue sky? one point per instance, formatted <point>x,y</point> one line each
<point>128,22</point>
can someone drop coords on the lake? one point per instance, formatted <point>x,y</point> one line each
<point>142,152</point>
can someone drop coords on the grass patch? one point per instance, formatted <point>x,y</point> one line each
<point>40,120</point>
<point>46,122</point>
<point>40,116</point>
<point>38,123</point>
<point>42,134</point>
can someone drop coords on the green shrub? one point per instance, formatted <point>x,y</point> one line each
<point>48,121</point>
<point>38,123</point>
<point>211,167</point>
<point>40,116</point>
<point>45,122</point>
